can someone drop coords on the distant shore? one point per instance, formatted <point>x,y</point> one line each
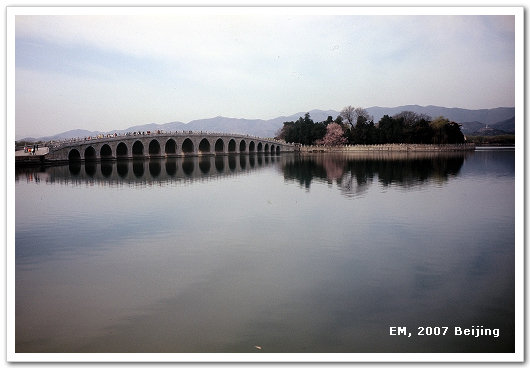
<point>394,147</point>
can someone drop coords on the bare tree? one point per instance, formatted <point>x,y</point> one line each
<point>347,114</point>
<point>411,118</point>
<point>351,114</point>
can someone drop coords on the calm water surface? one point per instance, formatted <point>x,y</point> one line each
<point>291,253</point>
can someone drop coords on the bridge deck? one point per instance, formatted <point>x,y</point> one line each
<point>162,144</point>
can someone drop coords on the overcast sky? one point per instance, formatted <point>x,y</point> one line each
<point>104,72</point>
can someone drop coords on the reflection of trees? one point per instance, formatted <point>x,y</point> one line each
<point>351,172</point>
<point>334,167</point>
<point>303,171</point>
<point>354,172</point>
<point>416,171</point>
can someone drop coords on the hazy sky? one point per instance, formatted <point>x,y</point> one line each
<point>112,71</point>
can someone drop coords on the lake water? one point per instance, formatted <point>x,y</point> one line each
<point>317,253</point>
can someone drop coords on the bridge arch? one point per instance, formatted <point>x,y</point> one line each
<point>187,146</point>
<point>74,155</point>
<point>231,145</point>
<point>170,147</point>
<point>154,147</point>
<point>160,144</point>
<point>90,153</point>
<point>105,152</point>
<point>204,146</point>
<point>121,150</point>
<point>219,145</point>
<point>138,149</point>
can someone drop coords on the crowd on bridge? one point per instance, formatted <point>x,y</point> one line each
<point>31,150</point>
<point>55,144</point>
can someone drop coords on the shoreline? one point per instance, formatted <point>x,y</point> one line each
<point>40,158</point>
<point>394,147</point>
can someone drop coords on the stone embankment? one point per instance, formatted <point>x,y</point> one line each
<point>390,147</point>
<point>30,157</point>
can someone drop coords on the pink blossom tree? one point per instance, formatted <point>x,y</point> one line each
<point>334,136</point>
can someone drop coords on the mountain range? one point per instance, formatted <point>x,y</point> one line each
<point>495,121</point>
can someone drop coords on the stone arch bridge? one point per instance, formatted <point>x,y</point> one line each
<point>162,144</point>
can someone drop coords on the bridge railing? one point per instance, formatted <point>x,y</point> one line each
<point>117,136</point>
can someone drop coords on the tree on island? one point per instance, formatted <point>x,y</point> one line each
<point>446,132</point>
<point>352,114</point>
<point>364,132</point>
<point>303,131</point>
<point>357,127</point>
<point>405,127</point>
<point>334,136</point>
<point>415,127</point>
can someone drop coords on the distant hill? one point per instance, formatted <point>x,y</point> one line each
<point>507,125</point>
<point>469,128</point>
<point>67,135</point>
<point>484,116</point>
<point>488,131</point>
<point>500,128</point>
<point>502,118</point>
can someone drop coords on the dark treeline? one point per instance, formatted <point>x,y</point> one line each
<point>358,127</point>
<point>497,140</point>
<point>304,130</point>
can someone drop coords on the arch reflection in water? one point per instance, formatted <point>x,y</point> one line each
<point>162,169</point>
<point>188,166</point>
<point>204,165</point>
<point>155,168</point>
<point>122,168</point>
<point>353,173</point>
<point>90,168</point>
<point>138,168</point>
<point>106,169</point>
<point>171,167</point>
